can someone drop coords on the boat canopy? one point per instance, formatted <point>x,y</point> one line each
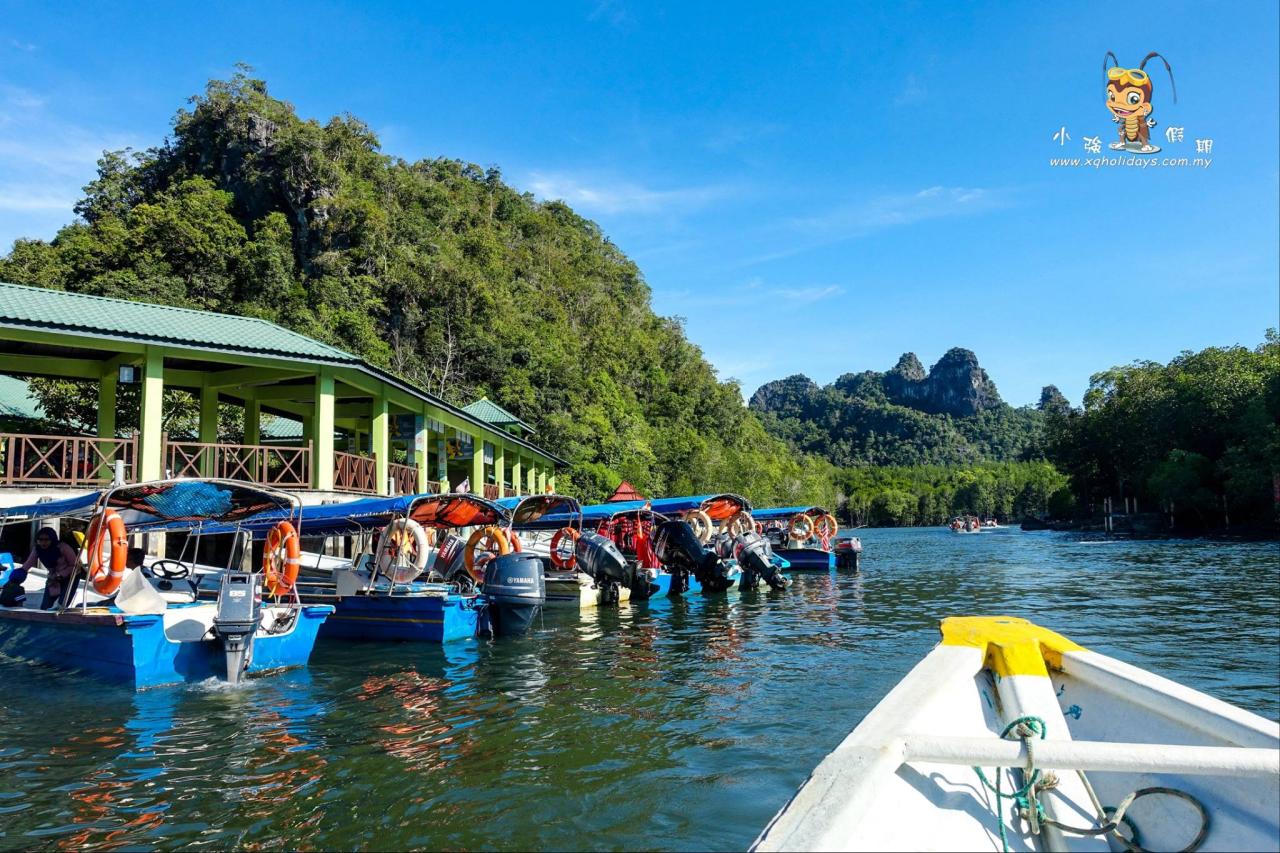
<point>784,512</point>
<point>328,519</point>
<point>543,512</point>
<point>456,510</point>
<point>81,506</point>
<point>719,507</point>
<point>597,513</point>
<point>185,504</point>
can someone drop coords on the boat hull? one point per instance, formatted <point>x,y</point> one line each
<point>807,559</point>
<point>408,618</point>
<point>135,649</point>
<point>574,590</point>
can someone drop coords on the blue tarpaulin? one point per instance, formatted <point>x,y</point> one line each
<point>65,508</point>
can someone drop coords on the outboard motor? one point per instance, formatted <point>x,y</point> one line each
<point>516,591</point>
<point>450,560</point>
<point>598,557</point>
<point>755,558</point>
<point>681,552</point>
<point>237,620</point>
<point>848,554</point>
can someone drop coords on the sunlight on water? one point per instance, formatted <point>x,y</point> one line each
<point>672,725</point>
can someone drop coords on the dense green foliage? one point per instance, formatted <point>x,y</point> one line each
<point>1199,434</point>
<point>436,270</point>
<point>893,496</point>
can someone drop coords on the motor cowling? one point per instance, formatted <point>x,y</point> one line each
<point>679,550</point>
<point>236,620</point>
<point>515,590</point>
<point>755,558</point>
<point>600,558</point>
<point>450,560</point>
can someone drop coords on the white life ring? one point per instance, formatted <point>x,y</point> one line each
<point>701,524</point>
<point>739,524</point>
<point>403,550</point>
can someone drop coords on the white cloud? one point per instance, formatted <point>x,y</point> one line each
<point>32,198</point>
<point>750,294</point>
<point>619,196</point>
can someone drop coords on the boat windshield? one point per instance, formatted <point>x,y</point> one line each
<point>546,511</point>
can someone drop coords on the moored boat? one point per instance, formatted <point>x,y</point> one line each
<point>807,538</point>
<point>734,552</point>
<point>1011,736</point>
<point>144,624</point>
<point>630,526</point>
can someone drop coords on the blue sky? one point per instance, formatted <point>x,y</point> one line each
<point>816,188</point>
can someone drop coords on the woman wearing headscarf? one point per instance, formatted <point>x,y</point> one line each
<point>58,559</point>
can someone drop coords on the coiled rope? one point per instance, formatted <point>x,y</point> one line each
<point>1030,809</point>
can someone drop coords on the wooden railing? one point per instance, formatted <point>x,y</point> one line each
<point>508,492</point>
<point>353,473</point>
<point>405,478</point>
<point>491,491</point>
<point>431,487</point>
<point>268,465</point>
<point>64,460</point>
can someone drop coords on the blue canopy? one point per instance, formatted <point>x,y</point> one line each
<point>65,508</point>
<point>719,507</point>
<point>542,512</point>
<point>325,519</point>
<point>785,512</point>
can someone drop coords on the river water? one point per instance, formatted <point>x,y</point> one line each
<point>669,725</point>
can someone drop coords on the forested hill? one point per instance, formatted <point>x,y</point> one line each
<point>437,270</point>
<point>950,415</point>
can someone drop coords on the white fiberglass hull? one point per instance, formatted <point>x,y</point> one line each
<point>904,778</point>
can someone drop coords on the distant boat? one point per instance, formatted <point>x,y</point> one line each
<point>965,524</point>
<point>1011,736</point>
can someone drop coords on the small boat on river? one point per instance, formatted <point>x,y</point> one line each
<point>145,625</point>
<point>807,538</point>
<point>732,551</point>
<point>631,526</point>
<point>1010,736</point>
<point>965,524</point>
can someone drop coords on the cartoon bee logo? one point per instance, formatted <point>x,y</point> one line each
<point>1129,99</point>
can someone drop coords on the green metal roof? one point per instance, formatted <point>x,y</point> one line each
<point>490,412</point>
<point>77,313</point>
<point>16,400</point>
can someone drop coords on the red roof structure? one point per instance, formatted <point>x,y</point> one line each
<point>625,492</point>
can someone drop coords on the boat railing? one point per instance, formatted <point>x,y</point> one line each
<point>405,478</point>
<point>264,464</point>
<point>352,473</point>
<point>69,460</point>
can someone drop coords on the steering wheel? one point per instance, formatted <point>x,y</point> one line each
<point>172,570</point>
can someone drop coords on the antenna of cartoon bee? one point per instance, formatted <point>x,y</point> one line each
<point>1142,66</point>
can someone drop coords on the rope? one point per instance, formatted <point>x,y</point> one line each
<point>1031,810</point>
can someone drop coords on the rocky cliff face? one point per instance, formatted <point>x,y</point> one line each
<point>957,385</point>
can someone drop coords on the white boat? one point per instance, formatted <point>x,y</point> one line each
<point>1083,735</point>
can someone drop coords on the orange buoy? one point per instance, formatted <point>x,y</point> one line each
<point>107,531</point>
<point>560,561</point>
<point>281,558</point>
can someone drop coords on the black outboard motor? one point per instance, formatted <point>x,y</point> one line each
<point>516,591</point>
<point>598,557</point>
<point>450,561</point>
<point>236,620</point>
<point>754,555</point>
<point>681,552</point>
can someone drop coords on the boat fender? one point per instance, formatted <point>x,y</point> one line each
<point>281,558</point>
<point>701,524</point>
<point>107,533</point>
<point>491,535</point>
<point>404,545</point>
<point>801,527</point>
<point>559,558</point>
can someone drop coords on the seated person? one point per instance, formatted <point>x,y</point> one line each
<point>12,593</point>
<point>58,558</point>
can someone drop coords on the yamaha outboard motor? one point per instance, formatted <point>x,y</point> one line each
<point>516,591</point>
<point>598,557</point>
<point>236,620</point>
<point>755,558</point>
<point>681,552</point>
<point>450,560</point>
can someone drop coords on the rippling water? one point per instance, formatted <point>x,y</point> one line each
<point>669,725</point>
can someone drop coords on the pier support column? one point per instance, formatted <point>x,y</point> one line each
<point>542,482</point>
<point>421,449</point>
<point>151,418</point>
<point>477,465</point>
<point>517,473</point>
<point>321,432</point>
<point>551,481</point>
<point>208,430</point>
<point>442,460</point>
<point>500,467</point>
<point>107,414</point>
<point>253,429</point>
<point>380,440</point>
<point>531,478</point>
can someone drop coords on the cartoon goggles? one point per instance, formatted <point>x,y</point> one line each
<point>1128,76</point>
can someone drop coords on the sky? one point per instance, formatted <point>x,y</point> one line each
<point>816,188</point>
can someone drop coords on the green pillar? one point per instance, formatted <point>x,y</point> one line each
<point>442,460</point>
<point>321,432</point>
<point>531,477</point>
<point>421,448</point>
<point>208,429</point>
<point>542,481</point>
<point>500,466</point>
<point>551,481</point>
<point>477,465</point>
<point>151,418</point>
<point>380,440</point>
<point>253,429</point>
<point>517,473</point>
<point>107,416</point>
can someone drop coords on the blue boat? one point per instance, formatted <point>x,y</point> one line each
<point>630,525</point>
<point>421,582</point>
<point>806,536</point>
<point>145,626</point>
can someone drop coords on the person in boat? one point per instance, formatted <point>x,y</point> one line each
<point>58,558</point>
<point>12,594</point>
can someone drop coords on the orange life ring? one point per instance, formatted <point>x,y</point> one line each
<point>559,560</point>
<point>516,547</point>
<point>494,534</point>
<point>280,572</point>
<point>826,526</point>
<point>800,528</point>
<point>106,574</point>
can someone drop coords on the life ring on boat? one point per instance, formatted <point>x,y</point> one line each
<point>402,550</point>
<point>493,534</point>
<point>516,545</point>
<point>701,524</point>
<point>737,524</point>
<point>281,558</point>
<point>107,534</point>
<point>826,526</point>
<point>800,528</point>
<point>558,559</point>
<point>759,528</point>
